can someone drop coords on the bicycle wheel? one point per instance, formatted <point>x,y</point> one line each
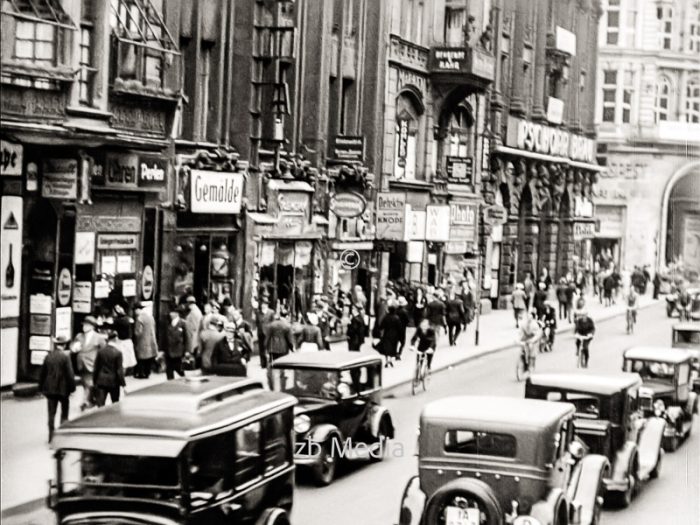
<point>424,374</point>
<point>520,370</point>
<point>416,377</point>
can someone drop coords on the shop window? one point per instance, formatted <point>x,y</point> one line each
<point>692,101</point>
<point>204,268</point>
<point>406,138</point>
<point>286,275</point>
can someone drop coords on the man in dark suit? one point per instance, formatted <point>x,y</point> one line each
<point>263,319</point>
<point>57,381</point>
<point>227,358</point>
<point>177,343</point>
<point>108,376</point>
<point>279,340</point>
<point>435,313</point>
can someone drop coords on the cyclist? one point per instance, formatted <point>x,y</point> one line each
<point>632,301</point>
<point>583,332</point>
<point>530,334</point>
<point>426,338</point>
<point>549,323</point>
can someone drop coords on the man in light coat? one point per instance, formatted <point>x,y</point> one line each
<point>146,343</point>
<point>193,322</point>
<point>86,345</point>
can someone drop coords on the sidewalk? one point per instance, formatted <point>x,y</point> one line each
<point>26,458</point>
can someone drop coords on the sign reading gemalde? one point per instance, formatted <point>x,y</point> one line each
<point>215,192</point>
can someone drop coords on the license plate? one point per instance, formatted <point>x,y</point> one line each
<point>457,516</point>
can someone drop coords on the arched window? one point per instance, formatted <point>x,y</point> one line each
<point>460,137</point>
<point>692,100</point>
<point>663,99</point>
<point>407,131</point>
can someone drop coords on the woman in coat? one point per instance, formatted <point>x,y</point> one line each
<point>146,346</point>
<point>390,330</point>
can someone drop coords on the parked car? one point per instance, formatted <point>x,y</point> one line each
<point>609,422</point>
<point>340,415</point>
<point>687,336</point>
<point>496,460</point>
<point>207,451</point>
<point>666,391</point>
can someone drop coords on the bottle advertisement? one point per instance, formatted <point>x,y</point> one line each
<point>10,255</point>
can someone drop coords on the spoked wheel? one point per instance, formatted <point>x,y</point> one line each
<point>424,377</point>
<point>275,516</point>
<point>416,379</point>
<point>325,471</point>
<point>521,371</point>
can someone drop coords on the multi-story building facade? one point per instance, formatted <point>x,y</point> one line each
<point>90,91</point>
<point>648,115</point>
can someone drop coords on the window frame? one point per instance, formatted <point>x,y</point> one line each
<point>692,100</point>
<point>663,83</point>
<point>34,41</point>
<point>608,87</point>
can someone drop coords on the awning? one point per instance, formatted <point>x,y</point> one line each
<point>138,22</point>
<point>42,11</point>
<point>547,158</point>
<point>120,444</point>
<point>292,185</point>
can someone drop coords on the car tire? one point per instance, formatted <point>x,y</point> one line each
<point>273,516</point>
<point>628,495</point>
<point>324,473</point>
<point>472,490</point>
<point>383,434</point>
<point>656,472</point>
<point>672,444</point>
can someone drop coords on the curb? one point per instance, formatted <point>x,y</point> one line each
<point>488,351</point>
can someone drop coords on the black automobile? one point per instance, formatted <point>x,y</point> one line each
<point>339,415</point>
<point>204,451</point>
<point>608,421</point>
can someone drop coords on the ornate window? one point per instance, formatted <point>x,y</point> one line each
<point>663,99</point>
<point>692,100</point>
<point>612,23</point>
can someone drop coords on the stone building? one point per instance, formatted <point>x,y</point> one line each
<point>648,113</point>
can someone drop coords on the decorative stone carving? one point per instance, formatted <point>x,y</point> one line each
<point>516,184</point>
<point>558,187</point>
<point>541,186</point>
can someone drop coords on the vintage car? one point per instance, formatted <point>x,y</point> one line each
<point>666,392</point>
<point>495,460</point>
<point>339,415</point>
<point>206,450</point>
<point>609,422</point>
<point>687,336</point>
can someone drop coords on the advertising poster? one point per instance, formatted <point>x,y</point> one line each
<point>10,255</point>
<point>391,216</point>
<point>82,297</point>
<point>60,179</point>
<point>437,223</point>
<point>64,322</point>
<point>691,241</point>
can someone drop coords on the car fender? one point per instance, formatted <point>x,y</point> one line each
<point>324,432</point>
<point>377,414</point>
<point>412,503</point>
<point>692,406</point>
<point>589,480</point>
<point>649,443</point>
<point>624,461</point>
<point>545,511</point>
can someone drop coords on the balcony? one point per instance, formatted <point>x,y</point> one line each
<point>408,54</point>
<point>462,65</point>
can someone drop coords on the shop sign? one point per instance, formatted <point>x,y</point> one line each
<point>40,304</point>
<point>40,343</point>
<point>117,241</point>
<point>391,215</point>
<point>82,297</point>
<point>555,110</point>
<point>584,230</point>
<point>215,191</point>
<point>349,259</point>
<point>495,215</point>
<point>290,224</point>
<point>101,223</point>
<point>455,247</point>
<point>64,287</point>
<point>583,207</point>
<point>463,222</point>
<point>60,179</point>
<point>147,280</point>
<point>11,223</point>
<point>20,101</point>
<point>10,158</point>
<point>449,59</point>
<point>414,251</point>
<point>152,172</point>
<point>84,248</point>
<point>40,324</point>
<point>460,169</point>
<point>437,223</point>
<point>129,288</point>
<point>292,202</point>
<point>347,205</point>
<point>403,142</point>
<point>539,138</point>
<point>138,117</point>
<point>102,289</point>
<point>121,170</point>
<point>64,322</point>
<point>348,148</point>
<point>415,224</point>
<point>565,41</point>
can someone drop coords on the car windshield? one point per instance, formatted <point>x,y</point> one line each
<point>687,336</point>
<point>303,382</point>
<point>587,406</point>
<point>93,474</point>
<point>652,370</point>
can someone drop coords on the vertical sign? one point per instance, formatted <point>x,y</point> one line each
<point>10,158</point>
<point>437,223</point>
<point>11,255</point>
<point>391,215</point>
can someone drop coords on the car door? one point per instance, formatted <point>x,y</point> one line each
<point>354,408</point>
<point>683,382</point>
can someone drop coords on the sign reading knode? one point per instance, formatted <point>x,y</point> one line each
<point>215,192</point>
<point>391,215</point>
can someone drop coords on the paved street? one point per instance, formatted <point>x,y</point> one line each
<point>369,494</point>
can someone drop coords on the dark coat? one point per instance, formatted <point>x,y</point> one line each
<point>279,338</point>
<point>435,312</point>
<point>539,300</point>
<point>226,361</point>
<point>356,332</point>
<point>402,312</point>
<point>391,329</point>
<point>310,334</point>
<point>454,311</point>
<point>109,371</point>
<point>425,339</point>
<point>56,377</point>
<point>562,293</point>
<point>177,339</point>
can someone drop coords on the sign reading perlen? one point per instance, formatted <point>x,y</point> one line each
<point>215,192</point>
<point>437,223</point>
<point>152,172</point>
<point>391,216</point>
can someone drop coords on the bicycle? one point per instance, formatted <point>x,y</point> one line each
<point>631,319</point>
<point>421,372</point>
<point>582,352</point>
<point>525,365</point>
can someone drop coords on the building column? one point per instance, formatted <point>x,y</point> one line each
<point>538,109</point>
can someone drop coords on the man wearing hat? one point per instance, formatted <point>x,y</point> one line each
<point>227,358</point>
<point>208,338</point>
<point>178,343</point>
<point>146,343</point>
<point>108,375</point>
<point>57,381</point>
<point>193,319</point>
<point>85,346</point>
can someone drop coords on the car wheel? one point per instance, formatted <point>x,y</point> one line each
<point>657,468</point>
<point>630,493</point>
<point>382,438</point>
<point>671,444</point>
<point>489,511</point>
<point>275,516</point>
<point>325,471</point>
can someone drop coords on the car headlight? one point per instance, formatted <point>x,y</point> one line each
<point>659,408</point>
<point>302,423</point>
<point>526,520</point>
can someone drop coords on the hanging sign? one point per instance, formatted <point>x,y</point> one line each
<point>11,222</point>
<point>64,287</point>
<point>215,191</point>
<point>10,158</point>
<point>463,222</point>
<point>584,230</point>
<point>147,283</point>
<point>495,215</point>
<point>347,204</point>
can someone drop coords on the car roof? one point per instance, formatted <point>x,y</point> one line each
<point>595,383</point>
<point>179,409</point>
<point>495,411</point>
<point>664,354</point>
<point>323,359</point>
<point>687,327</point>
